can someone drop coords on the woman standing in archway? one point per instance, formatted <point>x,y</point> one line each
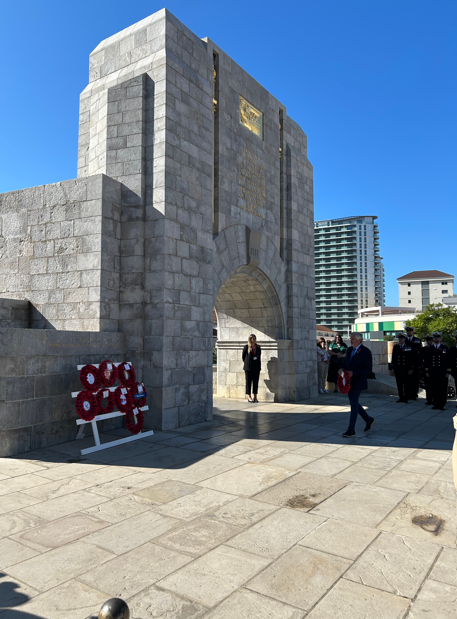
<point>252,366</point>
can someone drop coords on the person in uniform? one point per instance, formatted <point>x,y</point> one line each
<point>405,365</point>
<point>416,345</point>
<point>427,381</point>
<point>438,362</point>
<point>453,356</point>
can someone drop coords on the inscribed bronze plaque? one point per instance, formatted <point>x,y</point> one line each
<point>251,117</point>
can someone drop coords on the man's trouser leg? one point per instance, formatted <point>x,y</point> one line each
<point>400,378</point>
<point>428,389</point>
<point>439,382</point>
<point>356,408</point>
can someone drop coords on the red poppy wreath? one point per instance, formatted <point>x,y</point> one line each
<point>100,396</point>
<point>108,373</point>
<point>86,405</point>
<point>126,375</point>
<point>134,428</point>
<point>124,401</point>
<point>139,395</point>
<point>344,382</point>
<point>90,378</point>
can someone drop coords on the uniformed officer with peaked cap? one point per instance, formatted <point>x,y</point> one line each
<point>438,369</point>
<point>405,362</point>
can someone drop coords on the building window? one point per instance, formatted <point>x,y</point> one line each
<point>444,292</point>
<point>409,285</point>
<point>409,301</point>
<point>444,283</point>
<point>409,293</point>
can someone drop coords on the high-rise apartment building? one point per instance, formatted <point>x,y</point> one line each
<point>349,270</point>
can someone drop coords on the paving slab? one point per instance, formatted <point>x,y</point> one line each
<point>248,479</point>
<point>377,503</point>
<point>394,564</point>
<point>302,491</point>
<point>403,480</point>
<point>213,577</point>
<point>442,531</point>
<point>243,512</point>
<point>154,603</point>
<point>119,509</point>
<point>276,533</point>
<point>166,491</point>
<point>445,569</point>
<point>361,474</point>
<point>54,489</point>
<point>436,600</point>
<point>195,504</point>
<point>60,532</point>
<point>300,577</point>
<point>64,505</point>
<point>349,600</point>
<point>134,571</point>
<point>245,604</point>
<point>133,532</point>
<point>339,537</point>
<point>54,567</point>
<point>12,552</point>
<point>199,536</point>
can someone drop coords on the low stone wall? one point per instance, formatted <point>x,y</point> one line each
<point>14,314</point>
<point>380,354</point>
<point>37,375</point>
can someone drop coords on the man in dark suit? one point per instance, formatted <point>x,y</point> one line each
<point>415,345</point>
<point>358,364</point>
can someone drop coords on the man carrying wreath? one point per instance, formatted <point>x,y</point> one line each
<point>357,366</point>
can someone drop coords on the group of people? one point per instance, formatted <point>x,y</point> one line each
<point>329,361</point>
<point>434,362</point>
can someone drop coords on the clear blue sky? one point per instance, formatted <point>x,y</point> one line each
<point>371,82</point>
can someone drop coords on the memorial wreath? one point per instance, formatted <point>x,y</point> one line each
<point>86,405</point>
<point>108,373</point>
<point>100,396</point>
<point>90,378</point>
<point>131,417</point>
<point>344,382</point>
<point>126,375</point>
<point>139,395</point>
<point>123,398</point>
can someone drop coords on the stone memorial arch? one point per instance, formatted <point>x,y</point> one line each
<point>194,192</point>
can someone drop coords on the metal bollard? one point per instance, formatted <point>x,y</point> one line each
<point>115,608</point>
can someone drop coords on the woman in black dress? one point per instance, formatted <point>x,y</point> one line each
<point>252,366</point>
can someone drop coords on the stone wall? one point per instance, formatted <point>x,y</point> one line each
<point>14,314</point>
<point>59,250</point>
<point>37,375</point>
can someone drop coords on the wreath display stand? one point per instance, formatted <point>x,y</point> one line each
<point>127,439</point>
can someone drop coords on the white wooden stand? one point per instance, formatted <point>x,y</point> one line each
<point>99,446</point>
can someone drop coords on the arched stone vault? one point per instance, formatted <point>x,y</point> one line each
<point>250,298</point>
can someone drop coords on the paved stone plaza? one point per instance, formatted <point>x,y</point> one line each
<point>264,512</point>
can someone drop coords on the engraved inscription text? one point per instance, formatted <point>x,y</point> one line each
<point>251,182</point>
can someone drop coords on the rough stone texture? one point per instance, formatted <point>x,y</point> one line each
<point>38,374</point>
<point>159,227</point>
